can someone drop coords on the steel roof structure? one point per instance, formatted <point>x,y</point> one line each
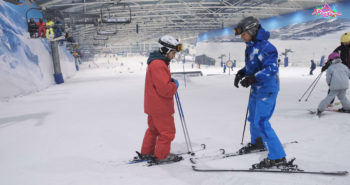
<point>137,24</point>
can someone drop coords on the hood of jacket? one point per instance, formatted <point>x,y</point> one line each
<point>157,55</point>
<point>261,35</point>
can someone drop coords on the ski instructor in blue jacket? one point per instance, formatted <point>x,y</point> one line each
<point>261,73</point>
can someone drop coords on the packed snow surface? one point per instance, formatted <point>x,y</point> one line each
<point>84,131</point>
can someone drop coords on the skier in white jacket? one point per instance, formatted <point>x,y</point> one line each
<point>337,78</point>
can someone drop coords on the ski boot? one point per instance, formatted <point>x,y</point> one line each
<point>281,164</point>
<point>171,158</point>
<point>343,110</point>
<point>141,157</point>
<point>257,147</point>
<point>318,113</point>
<point>268,163</point>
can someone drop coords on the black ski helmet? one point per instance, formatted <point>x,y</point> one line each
<point>249,24</point>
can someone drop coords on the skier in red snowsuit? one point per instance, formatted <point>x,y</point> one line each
<point>160,89</point>
<point>41,28</point>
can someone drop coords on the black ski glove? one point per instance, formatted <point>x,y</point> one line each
<point>239,76</point>
<point>247,81</point>
<point>325,67</point>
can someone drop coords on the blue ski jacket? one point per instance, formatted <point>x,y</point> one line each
<point>261,61</point>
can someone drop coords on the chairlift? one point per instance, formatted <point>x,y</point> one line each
<point>124,13</point>
<point>101,38</point>
<point>106,32</point>
<point>15,2</point>
<point>35,18</point>
<point>84,19</point>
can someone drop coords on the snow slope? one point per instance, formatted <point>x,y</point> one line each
<point>83,132</point>
<point>25,64</point>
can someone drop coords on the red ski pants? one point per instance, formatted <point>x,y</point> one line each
<point>41,32</point>
<point>161,131</point>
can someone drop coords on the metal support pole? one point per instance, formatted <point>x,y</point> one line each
<point>56,63</point>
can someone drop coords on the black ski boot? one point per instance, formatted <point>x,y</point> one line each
<point>141,157</point>
<point>257,146</point>
<point>318,113</point>
<point>268,163</point>
<point>171,158</point>
<point>281,164</point>
<point>343,110</point>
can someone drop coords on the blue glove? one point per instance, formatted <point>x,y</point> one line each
<point>176,82</point>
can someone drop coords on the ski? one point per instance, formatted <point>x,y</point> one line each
<point>275,170</point>
<point>194,160</point>
<point>328,110</point>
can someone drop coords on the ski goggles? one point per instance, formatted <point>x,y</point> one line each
<point>177,48</point>
<point>238,30</point>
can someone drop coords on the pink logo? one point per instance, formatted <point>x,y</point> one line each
<point>326,11</point>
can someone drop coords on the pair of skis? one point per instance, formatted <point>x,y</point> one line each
<point>328,110</point>
<point>151,162</point>
<point>290,168</point>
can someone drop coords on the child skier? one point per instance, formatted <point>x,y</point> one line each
<point>160,89</point>
<point>337,78</point>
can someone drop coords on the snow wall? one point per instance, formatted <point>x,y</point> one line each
<point>309,37</point>
<point>26,64</point>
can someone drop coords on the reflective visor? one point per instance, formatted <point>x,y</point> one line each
<point>179,47</point>
<point>237,31</point>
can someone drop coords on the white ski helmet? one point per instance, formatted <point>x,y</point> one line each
<point>168,43</point>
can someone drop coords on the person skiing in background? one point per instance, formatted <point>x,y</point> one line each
<point>32,28</point>
<point>41,28</point>
<point>160,89</point>
<point>337,78</point>
<point>344,51</point>
<point>49,28</point>
<point>261,73</point>
<point>313,67</point>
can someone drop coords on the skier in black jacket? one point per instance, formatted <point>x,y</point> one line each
<point>344,49</point>
<point>32,28</point>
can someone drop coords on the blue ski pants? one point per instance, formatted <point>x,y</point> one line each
<point>261,107</point>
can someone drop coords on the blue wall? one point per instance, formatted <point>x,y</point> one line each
<point>282,20</point>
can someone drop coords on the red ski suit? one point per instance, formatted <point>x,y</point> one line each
<point>159,105</point>
<point>41,28</point>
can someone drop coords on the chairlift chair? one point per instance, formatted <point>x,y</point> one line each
<point>124,13</point>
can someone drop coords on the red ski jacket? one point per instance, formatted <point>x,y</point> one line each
<point>159,89</point>
<point>41,24</point>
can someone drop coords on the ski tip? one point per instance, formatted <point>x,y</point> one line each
<point>193,161</point>
<point>342,172</point>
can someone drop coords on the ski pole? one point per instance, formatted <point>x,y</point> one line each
<point>246,116</point>
<point>184,126</point>
<point>313,87</point>
<point>310,86</point>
